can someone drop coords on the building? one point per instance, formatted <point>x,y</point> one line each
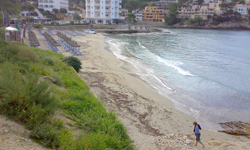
<point>153,13</point>
<point>240,8</point>
<point>139,14</point>
<point>49,5</point>
<point>103,11</point>
<point>216,6</point>
<point>124,12</point>
<point>162,4</point>
<point>197,11</point>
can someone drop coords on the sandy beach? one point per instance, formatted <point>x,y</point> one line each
<point>152,121</point>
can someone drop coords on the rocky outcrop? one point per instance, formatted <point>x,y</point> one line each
<point>225,25</point>
<point>236,128</point>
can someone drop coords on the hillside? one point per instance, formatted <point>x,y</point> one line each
<point>43,93</point>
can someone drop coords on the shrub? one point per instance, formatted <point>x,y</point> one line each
<point>55,10</point>
<point>63,10</point>
<point>72,22</point>
<point>38,26</point>
<point>49,61</point>
<point>24,97</point>
<point>74,62</point>
<point>47,135</point>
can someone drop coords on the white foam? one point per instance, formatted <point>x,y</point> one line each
<point>175,65</point>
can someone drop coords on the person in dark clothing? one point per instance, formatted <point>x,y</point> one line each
<point>197,133</point>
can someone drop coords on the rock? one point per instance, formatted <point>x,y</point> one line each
<point>188,141</point>
<point>237,137</point>
<point>49,78</point>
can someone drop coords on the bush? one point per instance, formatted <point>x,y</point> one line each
<point>50,61</point>
<point>55,10</point>
<point>63,10</point>
<point>74,62</point>
<point>47,135</point>
<point>72,22</point>
<point>24,97</point>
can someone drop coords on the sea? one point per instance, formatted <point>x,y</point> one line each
<point>206,73</point>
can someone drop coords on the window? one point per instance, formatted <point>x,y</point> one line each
<point>41,1</point>
<point>51,6</point>
<point>40,5</point>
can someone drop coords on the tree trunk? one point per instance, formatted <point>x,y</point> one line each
<point>24,29</point>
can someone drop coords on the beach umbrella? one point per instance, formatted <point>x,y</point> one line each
<point>10,29</point>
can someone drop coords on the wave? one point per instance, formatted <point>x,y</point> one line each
<point>175,65</point>
<point>146,73</point>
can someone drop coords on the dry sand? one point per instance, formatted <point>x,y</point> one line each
<point>151,120</point>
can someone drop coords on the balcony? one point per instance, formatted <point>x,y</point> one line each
<point>120,6</point>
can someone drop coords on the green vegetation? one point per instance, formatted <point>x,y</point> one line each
<point>31,99</point>
<point>77,17</point>
<point>136,4</point>
<point>73,62</point>
<point>197,21</point>
<point>62,10</point>
<point>55,11</point>
<point>172,19</point>
<point>131,17</point>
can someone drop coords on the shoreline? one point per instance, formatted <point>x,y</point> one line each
<point>147,115</point>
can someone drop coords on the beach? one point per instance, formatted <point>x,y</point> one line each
<point>152,121</point>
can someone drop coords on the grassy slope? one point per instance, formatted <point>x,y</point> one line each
<point>28,99</point>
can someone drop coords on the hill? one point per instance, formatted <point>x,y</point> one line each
<point>40,91</point>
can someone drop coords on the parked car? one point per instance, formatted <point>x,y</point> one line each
<point>91,31</point>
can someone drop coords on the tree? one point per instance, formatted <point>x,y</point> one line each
<point>132,4</point>
<point>27,7</point>
<point>199,20</point>
<point>131,17</point>
<point>77,17</point>
<point>10,6</point>
<point>55,11</point>
<point>200,2</point>
<point>63,10</point>
<point>74,62</point>
<point>172,19</point>
<point>227,5</point>
<point>209,17</point>
<point>143,5</point>
<point>30,19</point>
<point>242,2</point>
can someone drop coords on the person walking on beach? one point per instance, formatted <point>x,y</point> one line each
<point>197,133</point>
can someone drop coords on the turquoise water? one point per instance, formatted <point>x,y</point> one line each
<point>205,72</point>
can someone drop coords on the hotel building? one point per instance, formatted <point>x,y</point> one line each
<point>153,13</point>
<point>103,11</point>
<point>49,5</point>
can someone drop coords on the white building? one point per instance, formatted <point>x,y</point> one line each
<point>241,9</point>
<point>53,4</point>
<point>138,14</point>
<point>103,11</point>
